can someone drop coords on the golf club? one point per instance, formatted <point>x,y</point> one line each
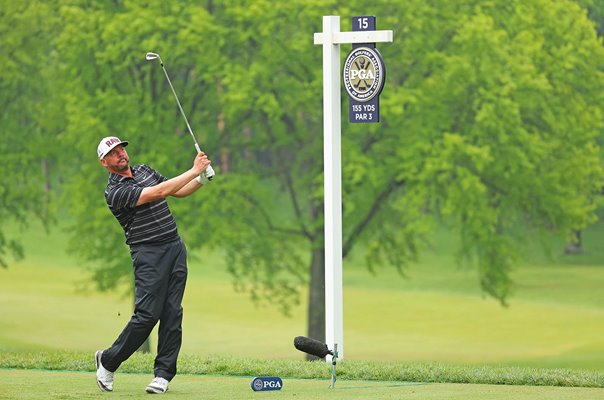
<point>209,172</point>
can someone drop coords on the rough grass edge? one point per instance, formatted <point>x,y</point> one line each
<point>298,369</point>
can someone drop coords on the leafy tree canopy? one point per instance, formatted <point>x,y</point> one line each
<point>490,120</point>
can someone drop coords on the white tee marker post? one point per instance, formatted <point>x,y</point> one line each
<point>330,39</point>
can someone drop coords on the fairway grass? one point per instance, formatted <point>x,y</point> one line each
<point>43,311</point>
<point>21,384</point>
<point>298,369</point>
<point>437,314</point>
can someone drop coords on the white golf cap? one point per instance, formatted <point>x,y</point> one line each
<point>107,144</point>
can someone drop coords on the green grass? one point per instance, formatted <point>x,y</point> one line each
<point>436,315</point>
<point>80,385</point>
<point>296,369</point>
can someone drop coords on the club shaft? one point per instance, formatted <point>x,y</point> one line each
<point>180,107</point>
<point>209,172</point>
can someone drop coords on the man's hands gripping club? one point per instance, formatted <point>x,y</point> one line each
<point>180,186</point>
<point>202,159</point>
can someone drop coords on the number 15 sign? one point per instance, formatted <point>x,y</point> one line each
<point>364,74</point>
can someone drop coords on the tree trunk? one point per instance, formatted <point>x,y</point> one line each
<point>576,245</point>
<point>224,152</point>
<point>46,175</point>
<point>316,298</point>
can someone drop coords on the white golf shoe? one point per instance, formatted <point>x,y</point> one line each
<point>158,385</point>
<point>104,378</point>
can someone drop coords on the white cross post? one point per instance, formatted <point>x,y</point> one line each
<point>330,39</point>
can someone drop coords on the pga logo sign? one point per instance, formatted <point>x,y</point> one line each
<point>364,74</point>
<point>264,383</point>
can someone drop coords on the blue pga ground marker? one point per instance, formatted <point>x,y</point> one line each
<point>264,383</point>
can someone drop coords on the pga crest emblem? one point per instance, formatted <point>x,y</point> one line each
<point>263,383</point>
<point>364,74</point>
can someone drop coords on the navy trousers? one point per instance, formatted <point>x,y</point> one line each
<point>160,275</point>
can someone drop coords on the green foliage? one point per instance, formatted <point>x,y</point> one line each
<point>29,118</point>
<point>595,12</point>
<point>252,258</point>
<point>490,120</point>
<point>499,117</point>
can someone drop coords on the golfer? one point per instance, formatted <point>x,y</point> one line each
<point>136,195</point>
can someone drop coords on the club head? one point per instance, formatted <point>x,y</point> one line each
<point>152,56</point>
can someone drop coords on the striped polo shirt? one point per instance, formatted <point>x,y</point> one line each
<point>148,223</point>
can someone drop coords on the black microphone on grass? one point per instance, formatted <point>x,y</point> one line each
<point>312,347</point>
<point>318,349</point>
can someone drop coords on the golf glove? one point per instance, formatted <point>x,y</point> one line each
<point>209,173</point>
<point>201,178</point>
